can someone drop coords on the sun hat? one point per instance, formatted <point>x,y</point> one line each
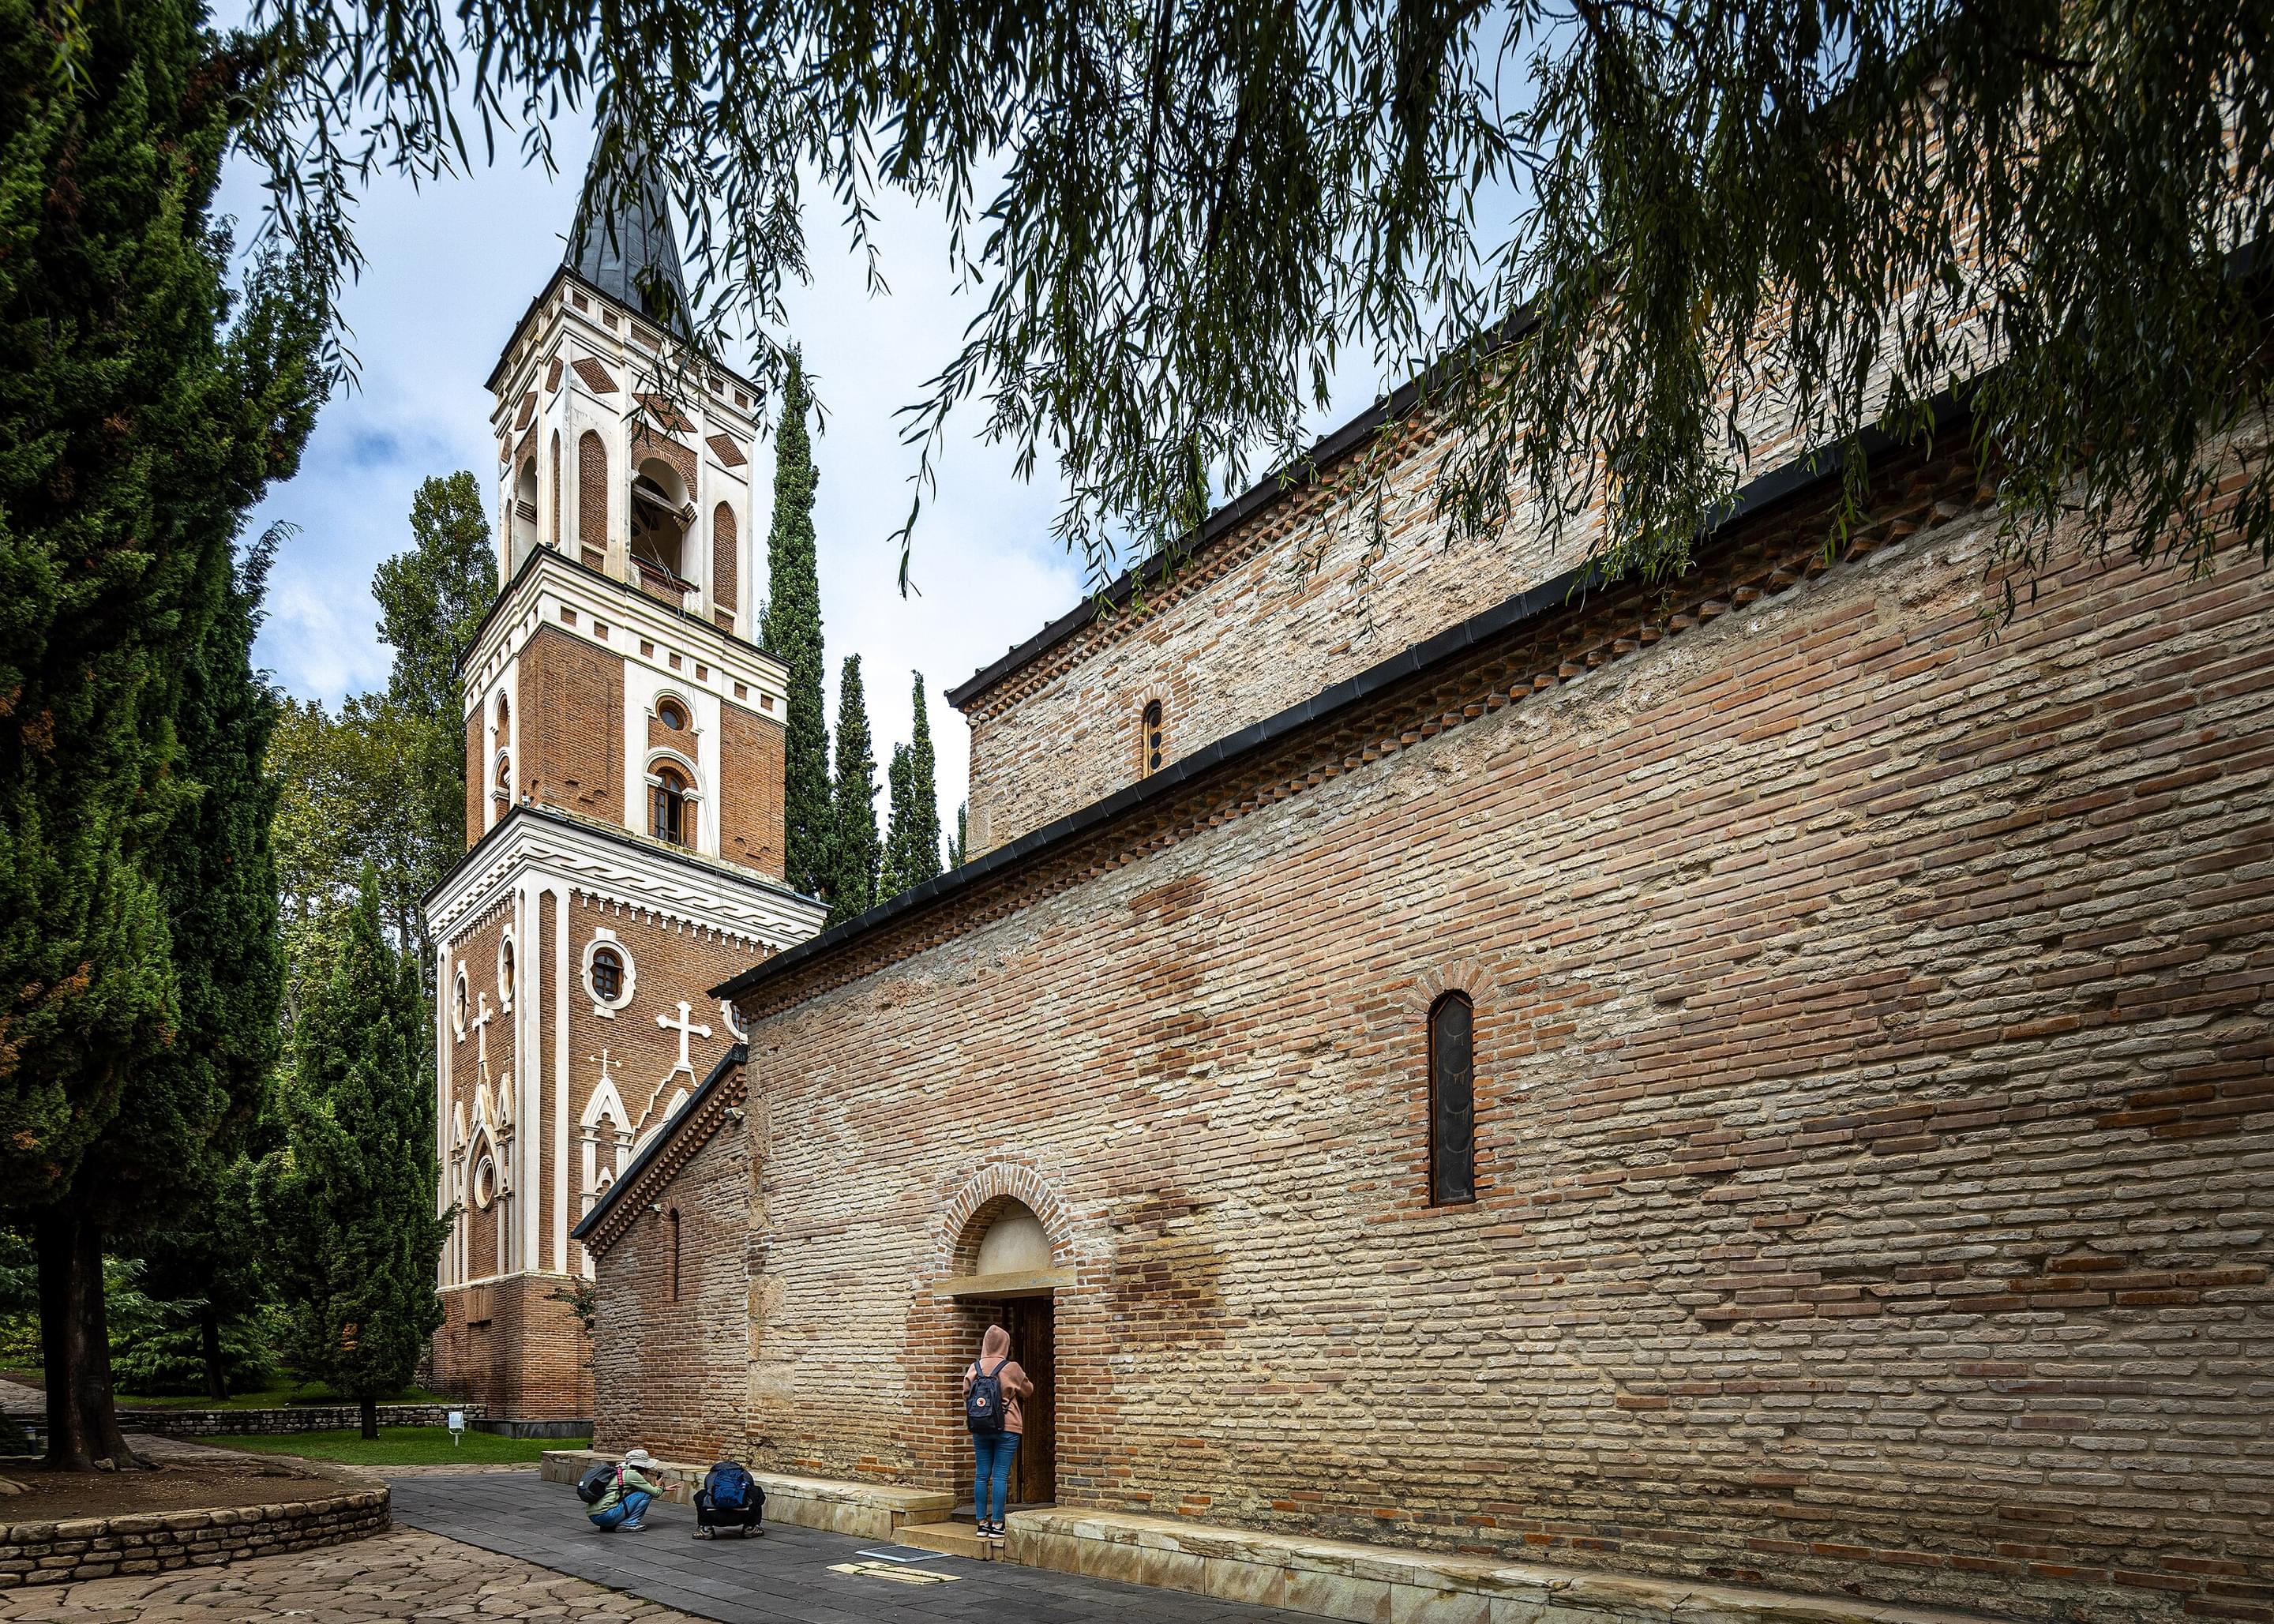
<point>640,1457</point>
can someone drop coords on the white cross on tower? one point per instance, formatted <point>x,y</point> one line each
<point>481,1026</point>
<point>685,1027</point>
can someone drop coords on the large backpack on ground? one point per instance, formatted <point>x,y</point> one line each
<point>982,1399</point>
<point>729,1498</point>
<point>592,1487</point>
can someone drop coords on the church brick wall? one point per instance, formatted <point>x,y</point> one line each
<point>751,753</point>
<point>516,1344</point>
<point>1874,1112</point>
<point>674,1378</point>
<point>477,779</point>
<point>1294,599</point>
<point>572,745</point>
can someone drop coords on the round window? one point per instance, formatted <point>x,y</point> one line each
<point>505,970</point>
<point>672,714</point>
<point>458,1001</point>
<point>485,1184</point>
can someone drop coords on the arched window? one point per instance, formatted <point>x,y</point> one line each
<point>524,512</point>
<point>672,714</point>
<point>1150,736</point>
<point>458,1001</point>
<point>505,970</point>
<point>502,791</point>
<point>674,1254</point>
<point>607,974</point>
<point>670,815</point>
<point>1452,1100</point>
<point>661,512</point>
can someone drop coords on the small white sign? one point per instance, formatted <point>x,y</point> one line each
<point>457,1424</point>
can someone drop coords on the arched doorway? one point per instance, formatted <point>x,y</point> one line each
<point>1006,1278</point>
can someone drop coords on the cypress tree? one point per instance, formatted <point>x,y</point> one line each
<point>173,1176</point>
<point>137,426</point>
<point>790,630</point>
<point>912,845</point>
<point>956,848</point>
<point>352,1193</point>
<point>854,852</point>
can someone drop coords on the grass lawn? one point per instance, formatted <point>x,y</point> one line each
<point>400,1446</point>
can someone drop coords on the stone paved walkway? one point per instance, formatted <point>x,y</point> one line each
<point>404,1575</point>
<point>788,1575</point>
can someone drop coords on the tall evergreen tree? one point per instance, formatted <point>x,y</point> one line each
<point>854,852</point>
<point>912,845</point>
<point>432,598</point>
<point>352,1193</point>
<point>790,628</point>
<point>170,1176</point>
<point>136,425</point>
<point>956,846</point>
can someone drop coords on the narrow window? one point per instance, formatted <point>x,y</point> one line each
<point>668,817</point>
<point>607,974</point>
<point>674,1254</point>
<point>1150,738</point>
<point>503,793</point>
<point>505,969</point>
<point>1452,1101</point>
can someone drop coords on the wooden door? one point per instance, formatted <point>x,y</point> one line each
<point>1035,1477</point>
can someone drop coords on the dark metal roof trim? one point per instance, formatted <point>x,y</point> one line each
<point>1568,590</point>
<point>735,1055</point>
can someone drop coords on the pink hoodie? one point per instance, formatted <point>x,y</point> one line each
<point>993,1348</point>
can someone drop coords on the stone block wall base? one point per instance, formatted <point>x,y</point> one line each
<point>157,1541</point>
<point>866,1510</point>
<point>1381,1584</point>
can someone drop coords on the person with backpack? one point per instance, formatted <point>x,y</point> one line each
<point>993,1384</point>
<point>624,1492</point>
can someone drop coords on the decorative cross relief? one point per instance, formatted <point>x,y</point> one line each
<point>480,1023</point>
<point>686,1027</point>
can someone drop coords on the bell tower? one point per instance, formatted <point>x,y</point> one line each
<point>624,826</point>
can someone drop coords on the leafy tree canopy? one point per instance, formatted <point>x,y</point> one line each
<point>1726,222</point>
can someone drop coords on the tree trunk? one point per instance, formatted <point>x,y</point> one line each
<point>98,1416</point>
<point>216,1378</point>
<point>53,1236</point>
<point>371,1418</point>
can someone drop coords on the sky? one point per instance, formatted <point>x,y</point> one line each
<point>453,266</point>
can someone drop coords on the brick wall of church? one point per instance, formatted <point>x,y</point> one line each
<point>751,770</point>
<point>1286,604</point>
<point>475,780</point>
<point>672,1334</point>
<point>571,696</point>
<point>516,1345</point>
<point>1873,1109</point>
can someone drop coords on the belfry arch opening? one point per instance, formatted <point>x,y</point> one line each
<point>663,513</point>
<point>524,512</point>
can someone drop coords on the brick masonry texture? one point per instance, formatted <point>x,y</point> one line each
<point>97,1548</point>
<point>675,1313</point>
<point>569,694</point>
<point>725,575</point>
<point>591,489</point>
<point>516,1343</point>
<point>752,750</point>
<point>1872,1083</point>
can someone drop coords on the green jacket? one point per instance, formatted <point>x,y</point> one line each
<point>626,1481</point>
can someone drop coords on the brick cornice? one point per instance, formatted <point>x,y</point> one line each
<point>1545,640</point>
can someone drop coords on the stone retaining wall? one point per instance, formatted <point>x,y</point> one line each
<point>95,1547</point>
<point>289,1418</point>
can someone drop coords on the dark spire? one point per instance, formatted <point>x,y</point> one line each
<point>628,251</point>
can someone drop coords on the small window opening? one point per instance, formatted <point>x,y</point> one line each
<point>607,974</point>
<point>504,790</point>
<point>672,714</point>
<point>1452,1101</point>
<point>674,1254</point>
<point>505,969</point>
<point>1151,736</point>
<point>669,815</point>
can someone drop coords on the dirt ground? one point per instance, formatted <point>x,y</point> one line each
<point>183,1480</point>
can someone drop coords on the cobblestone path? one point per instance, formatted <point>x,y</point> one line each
<point>403,1574</point>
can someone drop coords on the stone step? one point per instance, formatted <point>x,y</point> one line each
<point>952,1539</point>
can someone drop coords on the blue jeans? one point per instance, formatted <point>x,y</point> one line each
<point>628,1509</point>
<point>995,1451</point>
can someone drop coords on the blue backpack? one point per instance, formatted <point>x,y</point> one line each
<point>982,1399</point>
<point>728,1487</point>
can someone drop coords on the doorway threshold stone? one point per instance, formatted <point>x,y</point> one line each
<point>1386,1585</point>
